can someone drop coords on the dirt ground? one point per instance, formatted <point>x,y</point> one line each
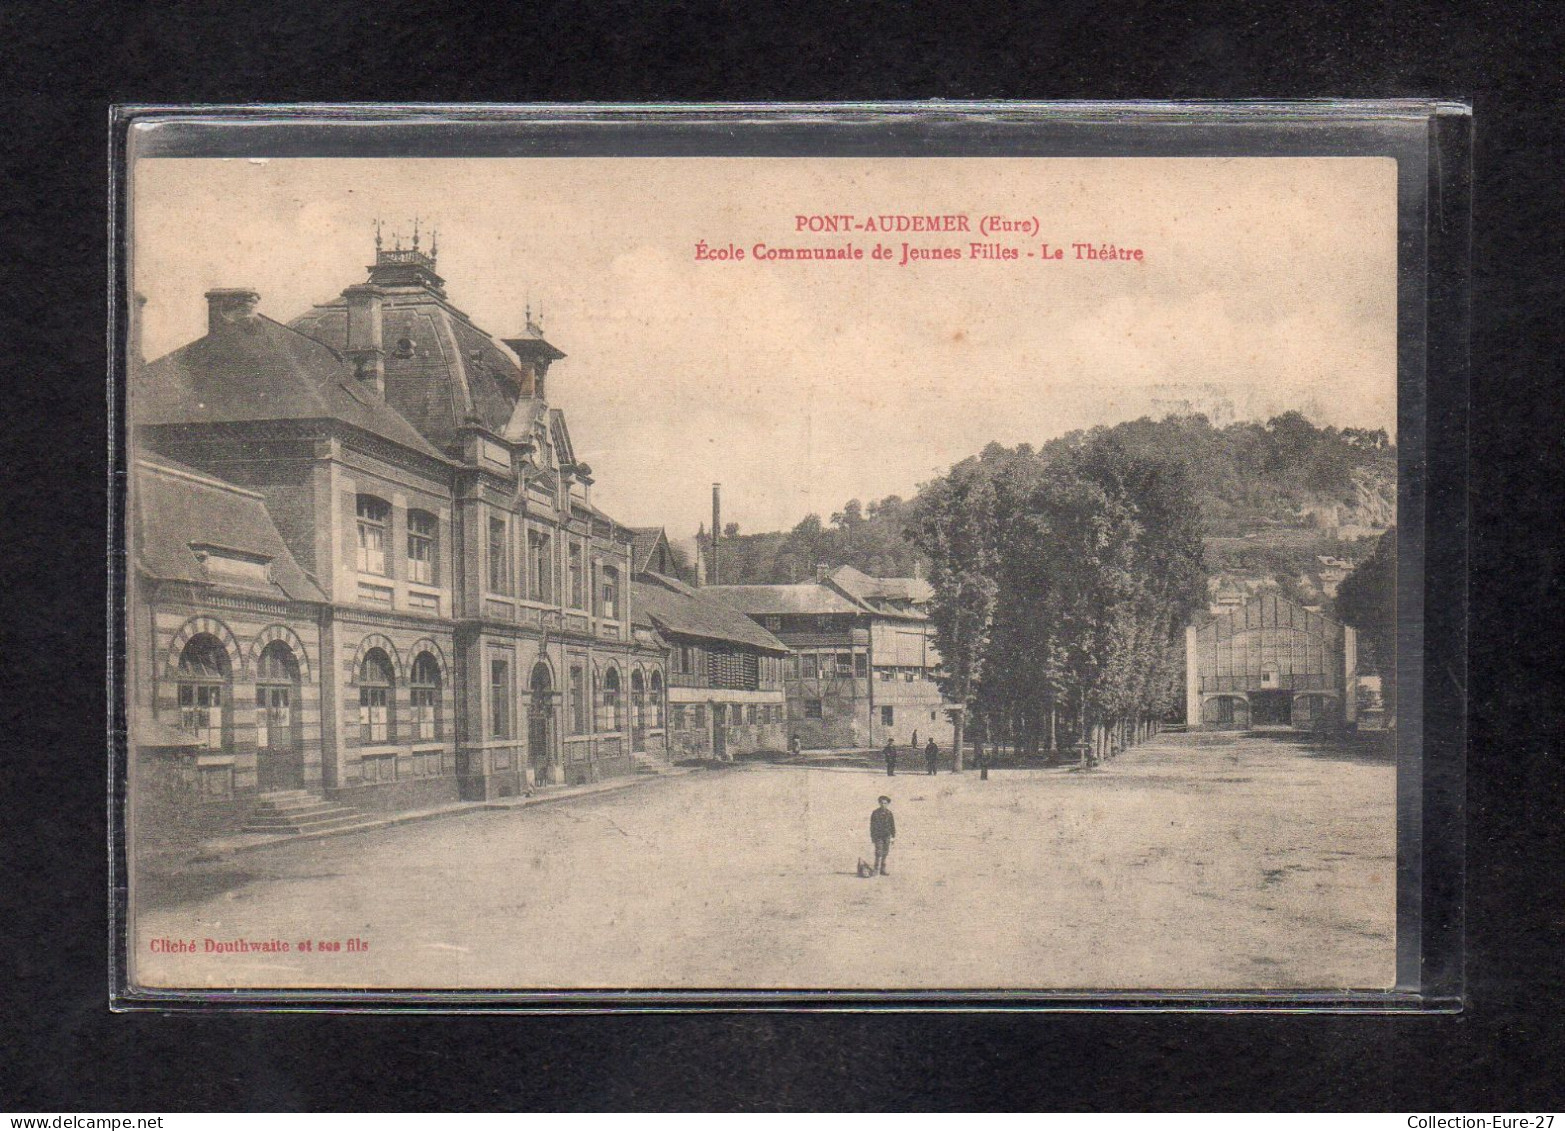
<point>1197,862</point>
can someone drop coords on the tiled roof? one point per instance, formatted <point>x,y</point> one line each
<point>862,586</point>
<point>259,369</point>
<point>805,597</point>
<point>645,540</point>
<point>676,608</point>
<point>178,509</point>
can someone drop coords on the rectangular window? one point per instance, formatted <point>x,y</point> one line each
<point>374,715</point>
<point>676,715</point>
<point>424,602</point>
<point>578,701</point>
<point>792,669</point>
<point>374,516</point>
<point>610,593</point>
<point>575,568</point>
<point>772,623</point>
<point>808,663</point>
<point>700,716</point>
<point>499,558</point>
<point>499,698</point>
<point>844,665</point>
<point>423,529</point>
<point>812,708</point>
<point>886,716</point>
<point>540,565</point>
<point>860,665</point>
<point>750,714</point>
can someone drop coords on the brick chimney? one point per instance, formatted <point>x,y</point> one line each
<point>227,307</point>
<point>363,350</point>
<point>822,571</point>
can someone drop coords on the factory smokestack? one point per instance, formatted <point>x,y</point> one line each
<point>715,574</point>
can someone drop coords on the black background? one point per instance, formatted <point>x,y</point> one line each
<point>65,64</point>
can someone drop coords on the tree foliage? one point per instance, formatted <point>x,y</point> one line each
<point>1367,600</point>
<point>1063,580</point>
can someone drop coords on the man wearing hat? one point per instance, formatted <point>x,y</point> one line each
<point>882,830</point>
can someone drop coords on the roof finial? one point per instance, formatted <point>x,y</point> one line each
<point>434,243</point>
<point>415,233</point>
<point>377,237</point>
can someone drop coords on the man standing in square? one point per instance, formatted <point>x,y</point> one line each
<point>882,830</point>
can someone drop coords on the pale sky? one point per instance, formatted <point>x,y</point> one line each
<point>800,385</point>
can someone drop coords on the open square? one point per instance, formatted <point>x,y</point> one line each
<point>1214,861</point>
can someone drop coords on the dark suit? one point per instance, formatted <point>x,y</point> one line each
<point>932,756</point>
<point>891,760</point>
<point>882,827</point>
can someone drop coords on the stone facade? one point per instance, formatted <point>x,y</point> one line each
<point>455,611</point>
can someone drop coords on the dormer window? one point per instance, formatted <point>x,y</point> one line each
<point>374,517</point>
<point>223,564</point>
<point>404,348</point>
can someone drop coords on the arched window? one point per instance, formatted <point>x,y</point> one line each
<point>375,686</point>
<point>276,689</point>
<point>657,700</point>
<point>424,687</point>
<point>609,718</point>
<point>423,548</point>
<point>374,520</point>
<point>202,679</point>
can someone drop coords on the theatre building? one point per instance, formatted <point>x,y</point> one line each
<point>367,572</point>
<point>1270,663</point>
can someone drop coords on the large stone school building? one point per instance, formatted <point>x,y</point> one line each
<point>366,570</point>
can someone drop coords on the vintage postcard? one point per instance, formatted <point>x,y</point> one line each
<point>762,573</point>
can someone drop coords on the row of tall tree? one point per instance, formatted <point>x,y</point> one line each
<point>1063,582</point>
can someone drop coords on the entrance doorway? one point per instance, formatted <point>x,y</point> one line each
<point>1271,708</point>
<point>540,724</point>
<point>638,713</point>
<point>279,753</point>
<point>719,731</point>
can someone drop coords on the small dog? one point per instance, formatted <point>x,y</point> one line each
<point>865,871</point>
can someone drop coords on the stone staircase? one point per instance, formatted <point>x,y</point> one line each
<point>292,811</point>
<point>646,763</point>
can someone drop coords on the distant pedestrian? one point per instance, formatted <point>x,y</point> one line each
<point>914,744</point>
<point>794,746</point>
<point>882,830</point>
<point>891,758</point>
<point>932,756</point>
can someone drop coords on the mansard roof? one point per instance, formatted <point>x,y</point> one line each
<point>680,610</point>
<point>258,369</point>
<point>184,517</point>
<point>442,371</point>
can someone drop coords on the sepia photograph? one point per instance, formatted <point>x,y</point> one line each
<point>566,574</point>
